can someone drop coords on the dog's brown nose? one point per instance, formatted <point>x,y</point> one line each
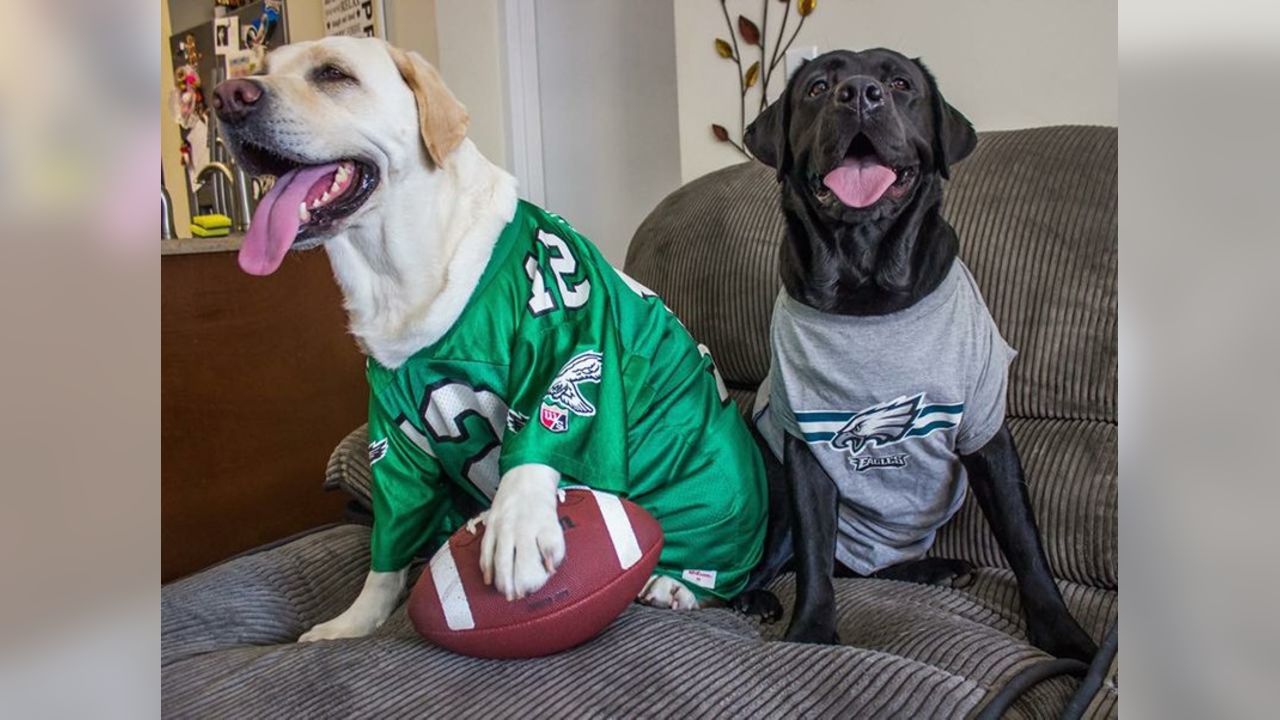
<point>235,99</point>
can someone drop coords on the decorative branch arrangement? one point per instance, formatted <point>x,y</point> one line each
<point>752,34</point>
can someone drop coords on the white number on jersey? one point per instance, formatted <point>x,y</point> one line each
<point>540,300</point>
<point>562,264</point>
<point>445,411</point>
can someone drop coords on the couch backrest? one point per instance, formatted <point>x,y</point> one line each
<point>1036,214</point>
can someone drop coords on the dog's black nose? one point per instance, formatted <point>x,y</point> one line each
<point>862,91</point>
<point>235,99</point>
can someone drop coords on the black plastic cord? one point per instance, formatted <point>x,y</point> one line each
<point>1025,680</point>
<point>1097,672</point>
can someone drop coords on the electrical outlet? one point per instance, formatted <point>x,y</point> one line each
<point>796,56</point>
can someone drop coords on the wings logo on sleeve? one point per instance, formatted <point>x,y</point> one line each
<point>564,390</point>
<point>883,424</point>
<point>516,420</point>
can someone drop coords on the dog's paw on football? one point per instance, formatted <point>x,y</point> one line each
<point>523,542</point>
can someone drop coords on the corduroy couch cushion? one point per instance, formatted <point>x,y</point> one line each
<point>227,650</point>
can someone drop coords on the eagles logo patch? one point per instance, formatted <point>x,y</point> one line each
<point>564,391</point>
<point>879,425</point>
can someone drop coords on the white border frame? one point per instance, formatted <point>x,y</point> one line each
<point>524,100</point>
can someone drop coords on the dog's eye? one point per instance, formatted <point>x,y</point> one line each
<point>330,73</point>
<point>900,84</point>
<point>817,88</point>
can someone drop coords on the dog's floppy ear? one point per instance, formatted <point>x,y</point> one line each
<point>766,136</point>
<point>443,119</point>
<point>953,134</point>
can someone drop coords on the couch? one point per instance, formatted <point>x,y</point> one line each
<point>1036,213</point>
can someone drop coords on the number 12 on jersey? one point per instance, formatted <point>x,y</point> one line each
<point>563,265</point>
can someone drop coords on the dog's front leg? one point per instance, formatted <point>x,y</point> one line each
<point>523,541</point>
<point>378,597</point>
<point>814,498</point>
<point>995,474</point>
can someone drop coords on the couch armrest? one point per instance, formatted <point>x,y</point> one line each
<point>348,468</point>
<point>264,598</point>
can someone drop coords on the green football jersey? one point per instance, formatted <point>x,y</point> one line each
<point>559,359</point>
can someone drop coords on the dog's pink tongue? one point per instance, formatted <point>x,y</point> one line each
<point>859,183</point>
<point>276,222</point>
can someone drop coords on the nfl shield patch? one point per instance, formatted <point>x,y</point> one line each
<point>554,419</point>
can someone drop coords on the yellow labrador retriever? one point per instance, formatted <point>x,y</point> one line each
<point>372,160</point>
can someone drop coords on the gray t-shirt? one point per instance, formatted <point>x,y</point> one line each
<point>887,404</point>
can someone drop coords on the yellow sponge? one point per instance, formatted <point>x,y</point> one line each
<point>208,233</point>
<point>211,222</point>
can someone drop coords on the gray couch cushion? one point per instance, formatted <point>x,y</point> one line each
<point>710,249</point>
<point>1071,475</point>
<point>928,652</point>
<point>1036,214</point>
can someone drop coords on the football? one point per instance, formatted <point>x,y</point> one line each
<point>611,548</point>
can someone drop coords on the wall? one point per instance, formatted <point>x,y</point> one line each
<point>1004,63</point>
<point>411,24</point>
<point>607,73</point>
<point>306,19</point>
<point>470,60</point>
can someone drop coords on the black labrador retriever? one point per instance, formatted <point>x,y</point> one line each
<point>861,142</point>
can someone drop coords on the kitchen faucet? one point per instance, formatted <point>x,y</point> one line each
<point>167,230</point>
<point>239,187</point>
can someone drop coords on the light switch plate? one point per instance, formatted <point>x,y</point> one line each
<point>797,55</point>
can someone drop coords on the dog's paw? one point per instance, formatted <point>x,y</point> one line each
<point>523,541</point>
<point>664,592</point>
<point>813,633</point>
<point>346,625</point>
<point>758,603</point>
<point>1064,638</point>
<point>371,608</point>
<point>930,571</point>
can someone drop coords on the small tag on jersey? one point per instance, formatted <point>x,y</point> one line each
<point>554,419</point>
<point>701,578</point>
<point>377,450</point>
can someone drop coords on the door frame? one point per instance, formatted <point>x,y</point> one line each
<point>524,101</point>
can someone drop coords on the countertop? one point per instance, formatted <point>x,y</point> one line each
<point>188,246</point>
